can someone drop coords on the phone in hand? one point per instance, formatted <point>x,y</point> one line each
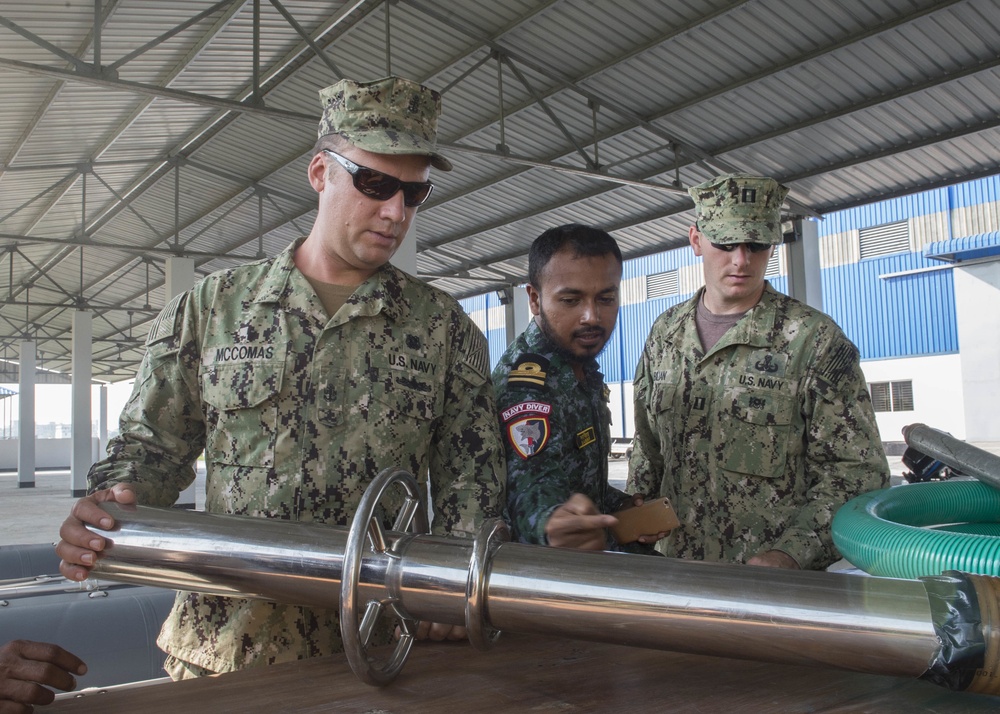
<point>653,516</point>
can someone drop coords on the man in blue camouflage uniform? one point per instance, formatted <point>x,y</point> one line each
<point>752,413</point>
<point>302,377</point>
<point>551,397</point>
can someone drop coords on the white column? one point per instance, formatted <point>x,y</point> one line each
<point>179,279</point>
<point>518,312</point>
<point>804,282</point>
<point>977,292</point>
<point>26,416</point>
<point>82,447</point>
<point>102,420</point>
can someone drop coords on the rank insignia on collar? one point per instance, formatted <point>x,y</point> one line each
<point>529,369</point>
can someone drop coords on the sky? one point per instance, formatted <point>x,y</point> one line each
<point>53,402</point>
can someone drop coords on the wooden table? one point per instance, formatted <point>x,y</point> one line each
<point>524,673</point>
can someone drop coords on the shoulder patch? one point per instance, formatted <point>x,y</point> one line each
<point>165,324</point>
<point>471,345</point>
<point>840,364</point>
<point>527,427</point>
<point>530,369</point>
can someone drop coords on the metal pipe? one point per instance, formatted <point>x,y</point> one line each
<point>965,457</point>
<point>794,617</point>
<point>16,588</point>
<point>874,625</point>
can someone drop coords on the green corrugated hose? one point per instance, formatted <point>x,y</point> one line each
<point>922,529</point>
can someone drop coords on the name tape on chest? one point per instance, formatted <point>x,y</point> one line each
<point>231,354</point>
<point>586,437</point>
<point>412,363</point>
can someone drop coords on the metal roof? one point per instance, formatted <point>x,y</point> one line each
<point>183,127</point>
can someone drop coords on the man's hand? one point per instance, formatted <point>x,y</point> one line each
<point>79,547</point>
<point>578,524</point>
<point>436,632</point>
<point>26,668</point>
<point>439,632</point>
<point>774,559</point>
<point>647,538</point>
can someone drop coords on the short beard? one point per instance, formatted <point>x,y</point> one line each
<point>546,328</point>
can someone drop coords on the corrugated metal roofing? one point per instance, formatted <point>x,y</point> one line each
<point>982,245</point>
<point>846,101</point>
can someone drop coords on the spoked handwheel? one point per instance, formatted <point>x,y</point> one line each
<point>366,528</point>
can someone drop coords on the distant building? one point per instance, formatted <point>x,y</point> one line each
<point>913,281</point>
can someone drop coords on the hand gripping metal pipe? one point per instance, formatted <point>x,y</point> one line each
<point>944,628</point>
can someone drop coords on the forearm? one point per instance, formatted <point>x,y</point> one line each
<point>843,459</point>
<point>467,471</point>
<point>161,434</point>
<point>645,466</point>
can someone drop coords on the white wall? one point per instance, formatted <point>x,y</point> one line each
<point>937,393</point>
<point>615,404</point>
<point>49,453</point>
<point>977,295</point>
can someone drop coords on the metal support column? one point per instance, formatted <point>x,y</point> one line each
<point>82,448</point>
<point>518,312</point>
<point>26,416</point>
<point>804,277</point>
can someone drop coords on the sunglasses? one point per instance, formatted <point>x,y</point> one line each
<point>382,187</point>
<point>752,247</point>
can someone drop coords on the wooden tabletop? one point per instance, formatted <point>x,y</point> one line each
<point>524,673</point>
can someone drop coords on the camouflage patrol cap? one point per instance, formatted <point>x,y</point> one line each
<point>736,208</point>
<point>385,116</point>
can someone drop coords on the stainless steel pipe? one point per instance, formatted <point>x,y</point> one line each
<point>850,622</point>
<point>968,459</point>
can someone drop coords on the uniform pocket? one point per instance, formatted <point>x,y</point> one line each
<point>242,417</point>
<point>754,432</point>
<point>662,409</point>
<point>406,395</point>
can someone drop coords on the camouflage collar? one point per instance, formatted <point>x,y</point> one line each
<point>382,292</point>
<point>754,328</point>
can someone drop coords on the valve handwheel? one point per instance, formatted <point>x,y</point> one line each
<point>365,527</point>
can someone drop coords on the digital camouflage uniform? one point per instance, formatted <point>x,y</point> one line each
<point>556,431</point>
<point>297,413</point>
<point>758,442</point>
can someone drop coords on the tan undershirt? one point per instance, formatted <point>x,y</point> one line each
<point>332,296</point>
<point>712,327</point>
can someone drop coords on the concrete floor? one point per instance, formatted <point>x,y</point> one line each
<point>33,515</point>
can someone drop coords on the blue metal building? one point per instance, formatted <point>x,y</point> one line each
<point>888,272</point>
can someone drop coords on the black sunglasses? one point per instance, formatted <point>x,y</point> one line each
<point>382,187</point>
<point>752,247</point>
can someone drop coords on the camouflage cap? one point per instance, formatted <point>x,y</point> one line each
<point>385,116</point>
<point>736,208</point>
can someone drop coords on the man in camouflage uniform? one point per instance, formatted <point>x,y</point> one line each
<point>751,410</point>
<point>305,375</point>
<point>551,397</point>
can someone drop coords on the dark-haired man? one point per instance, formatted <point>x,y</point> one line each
<point>551,396</point>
